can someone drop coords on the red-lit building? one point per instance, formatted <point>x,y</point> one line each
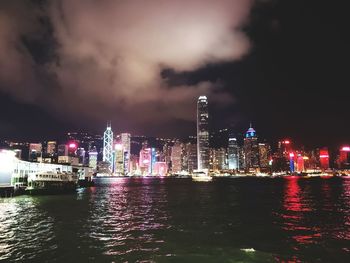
<point>284,148</point>
<point>344,157</point>
<point>300,167</point>
<point>324,159</point>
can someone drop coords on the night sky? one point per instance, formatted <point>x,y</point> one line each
<point>281,65</point>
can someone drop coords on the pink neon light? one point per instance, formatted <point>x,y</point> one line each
<point>291,155</point>
<point>346,149</point>
<point>286,142</point>
<point>72,145</point>
<point>324,156</point>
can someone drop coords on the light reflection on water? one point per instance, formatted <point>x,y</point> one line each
<point>177,220</point>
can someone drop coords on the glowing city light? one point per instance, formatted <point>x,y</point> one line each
<point>346,149</point>
<point>72,145</point>
<point>286,142</point>
<point>324,156</point>
<point>118,147</point>
<point>291,155</point>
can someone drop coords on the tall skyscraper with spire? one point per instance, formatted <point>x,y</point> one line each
<point>203,133</point>
<point>251,149</point>
<point>108,146</point>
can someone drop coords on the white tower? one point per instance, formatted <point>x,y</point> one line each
<point>108,146</point>
<point>203,133</point>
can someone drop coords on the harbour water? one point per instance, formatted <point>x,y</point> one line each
<point>178,220</point>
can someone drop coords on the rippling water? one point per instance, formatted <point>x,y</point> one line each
<point>177,220</point>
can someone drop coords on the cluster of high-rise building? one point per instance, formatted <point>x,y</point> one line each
<point>124,154</point>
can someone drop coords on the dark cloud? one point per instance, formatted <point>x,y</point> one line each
<point>97,60</point>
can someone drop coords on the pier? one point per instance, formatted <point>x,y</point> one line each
<point>6,191</point>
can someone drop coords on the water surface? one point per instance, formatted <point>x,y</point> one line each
<point>177,220</point>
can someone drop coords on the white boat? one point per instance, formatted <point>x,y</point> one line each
<point>201,176</point>
<point>51,182</point>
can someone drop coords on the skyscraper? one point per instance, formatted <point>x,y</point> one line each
<point>218,159</point>
<point>324,158</point>
<point>176,157</point>
<point>190,160</point>
<point>125,141</point>
<point>93,159</point>
<point>251,149</point>
<point>203,133</point>
<point>108,146</point>
<point>264,155</point>
<point>233,153</point>
<point>119,159</point>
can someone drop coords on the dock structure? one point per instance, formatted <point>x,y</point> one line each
<point>6,191</point>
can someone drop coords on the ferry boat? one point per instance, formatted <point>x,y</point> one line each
<point>51,182</point>
<point>201,176</point>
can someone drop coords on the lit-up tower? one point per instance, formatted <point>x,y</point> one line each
<point>93,159</point>
<point>324,159</point>
<point>176,157</point>
<point>119,159</point>
<point>233,153</point>
<point>344,157</point>
<point>125,141</point>
<point>202,133</point>
<point>251,149</point>
<point>264,155</point>
<point>108,146</point>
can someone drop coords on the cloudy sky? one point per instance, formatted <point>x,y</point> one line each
<point>76,64</point>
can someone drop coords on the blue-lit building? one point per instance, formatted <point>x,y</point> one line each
<point>251,149</point>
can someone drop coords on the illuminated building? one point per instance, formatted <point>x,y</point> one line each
<point>35,151</point>
<point>81,155</point>
<point>300,163</point>
<point>93,160</point>
<point>190,162</point>
<point>176,157</point>
<point>62,150</point>
<point>108,146</point>
<point>134,164</point>
<point>241,158</point>
<point>119,159</point>
<point>166,155</point>
<point>51,148</point>
<point>251,149</point>
<point>218,159</point>
<point>202,133</point>
<point>125,141</point>
<point>291,162</point>
<point>72,149</point>
<point>284,148</point>
<point>233,153</point>
<point>160,168</point>
<point>344,157</point>
<point>324,159</point>
<point>68,160</point>
<point>264,155</point>
<point>147,160</point>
